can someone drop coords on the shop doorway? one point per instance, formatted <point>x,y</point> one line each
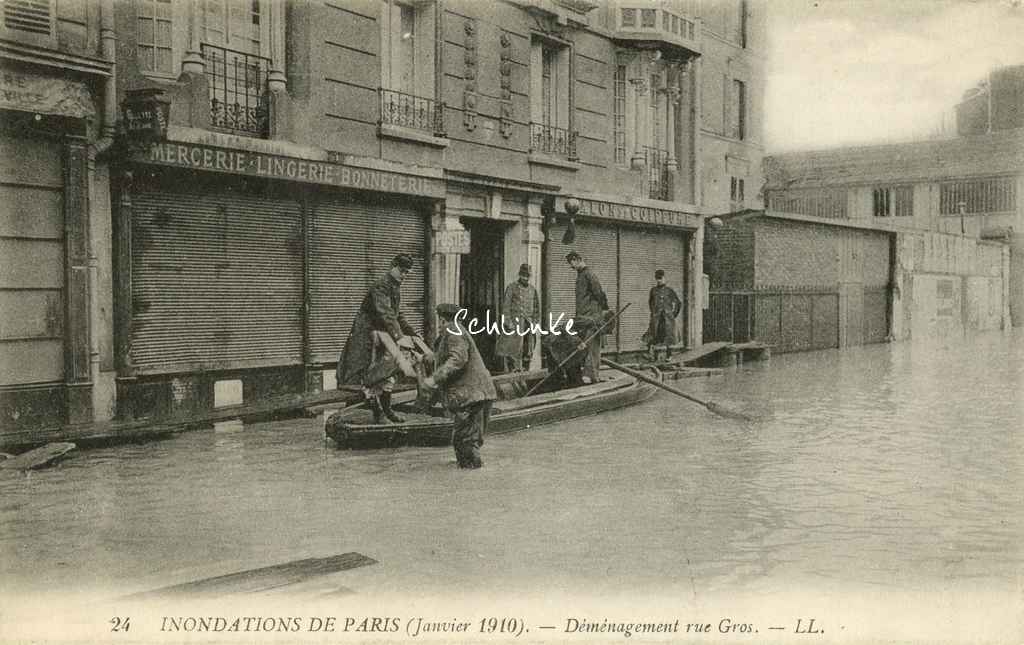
<point>482,281</point>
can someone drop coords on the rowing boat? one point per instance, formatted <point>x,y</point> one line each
<point>354,428</point>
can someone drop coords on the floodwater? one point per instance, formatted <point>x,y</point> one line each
<point>886,469</point>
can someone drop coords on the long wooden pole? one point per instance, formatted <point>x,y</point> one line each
<point>710,405</point>
<point>585,345</point>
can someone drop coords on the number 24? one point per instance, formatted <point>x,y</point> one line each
<point>120,624</point>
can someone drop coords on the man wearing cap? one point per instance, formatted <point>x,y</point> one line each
<point>465,383</point>
<point>520,307</point>
<point>665,306</point>
<point>379,311</point>
<point>591,313</point>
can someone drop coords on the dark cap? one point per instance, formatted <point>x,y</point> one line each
<point>402,261</point>
<point>524,269</point>
<point>659,274</point>
<point>447,309</point>
<point>572,255</point>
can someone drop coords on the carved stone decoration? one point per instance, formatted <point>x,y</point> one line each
<point>505,69</point>
<point>469,97</point>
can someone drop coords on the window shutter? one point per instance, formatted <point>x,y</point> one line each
<point>27,15</point>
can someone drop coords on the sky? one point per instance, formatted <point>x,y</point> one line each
<point>848,72</point>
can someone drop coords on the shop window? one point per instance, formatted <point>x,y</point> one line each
<point>737,110</point>
<point>893,201</point>
<point>154,35</point>
<point>989,195</point>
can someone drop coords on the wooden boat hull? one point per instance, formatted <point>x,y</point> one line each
<point>421,430</point>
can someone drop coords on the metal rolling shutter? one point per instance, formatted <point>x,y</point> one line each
<point>32,271</point>
<point>642,252</point>
<point>352,243</point>
<point>217,281</point>
<point>599,247</point>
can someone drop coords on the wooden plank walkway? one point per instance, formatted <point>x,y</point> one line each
<point>694,355</point>
<point>264,579</point>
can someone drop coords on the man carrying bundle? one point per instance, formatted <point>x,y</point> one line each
<point>364,361</point>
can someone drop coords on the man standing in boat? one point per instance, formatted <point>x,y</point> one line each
<point>665,306</point>
<point>465,385</point>
<point>364,362</point>
<point>520,307</point>
<point>591,314</point>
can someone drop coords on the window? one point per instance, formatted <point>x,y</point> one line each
<point>619,114</point>
<point>737,107</point>
<point>32,16</point>
<point>409,49</point>
<point>736,190</point>
<point>154,36</point>
<point>739,35</point>
<point>549,99</point>
<point>629,17</point>
<point>825,202</point>
<point>893,201</point>
<point>234,24</point>
<point>991,195</point>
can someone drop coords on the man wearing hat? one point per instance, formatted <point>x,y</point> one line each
<point>519,308</point>
<point>591,313</point>
<point>379,311</point>
<point>466,386</point>
<point>665,306</point>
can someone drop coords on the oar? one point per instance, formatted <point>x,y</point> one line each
<point>710,405</point>
<point>586,344</point>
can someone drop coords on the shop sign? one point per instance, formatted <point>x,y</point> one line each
<point>638,214</point>
<point>451,242</point>
<point>144,116</point>
<point>268,166</point>
<point>42,95</point>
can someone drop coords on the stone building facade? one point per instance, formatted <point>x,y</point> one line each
<point>310,141</point>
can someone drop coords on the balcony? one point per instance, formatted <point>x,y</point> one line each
<point>238,91</point>
<point>408,111</point>
<point>669,23</point>
<point>656,167</point>
<point>552,141</point>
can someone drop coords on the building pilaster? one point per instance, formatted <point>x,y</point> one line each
<point>449,240</point>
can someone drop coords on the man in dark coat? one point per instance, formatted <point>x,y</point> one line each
<point>665,306</point>
<point>591,313</point>
<point>465,384</point>
<point>520,307</point>
<point>361,362</point>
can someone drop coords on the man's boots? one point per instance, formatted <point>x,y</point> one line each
<point>385,404</point>
<point>375,407</point>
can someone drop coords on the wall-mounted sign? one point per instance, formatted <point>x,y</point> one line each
<point>259,164</point>
<point>43,95</point>
<point>451,242</point>
<point>144,115</point>
<point>638,214</point>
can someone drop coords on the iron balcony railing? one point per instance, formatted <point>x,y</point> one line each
<point>409,111</point>
<point>238,83</point>
<point>656,161</point>
<point>549,140</point>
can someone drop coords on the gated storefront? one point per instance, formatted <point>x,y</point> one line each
<point>228,282</point>
<point>624,258</point>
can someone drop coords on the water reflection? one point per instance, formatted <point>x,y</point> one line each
<point>882,467</point>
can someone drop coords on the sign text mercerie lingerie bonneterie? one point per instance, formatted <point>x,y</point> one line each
<point>258,164</point>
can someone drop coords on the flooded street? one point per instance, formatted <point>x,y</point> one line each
<point>881,469</point>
